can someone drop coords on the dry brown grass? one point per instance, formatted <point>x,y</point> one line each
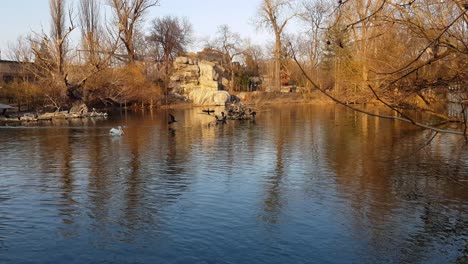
<point>265,98</point>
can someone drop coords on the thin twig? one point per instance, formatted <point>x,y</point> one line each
<point>415,151</point>
<point>403,119</point>
<point>428,46</point>
<point>388,105</point>
<point>367,17</point>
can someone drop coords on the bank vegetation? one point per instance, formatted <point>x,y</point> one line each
<point>408,55</point>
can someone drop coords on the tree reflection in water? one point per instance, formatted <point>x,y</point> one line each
<point>322,179</point>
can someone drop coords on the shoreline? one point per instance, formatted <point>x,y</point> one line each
<point>255,99</point>
<point>259,99</point>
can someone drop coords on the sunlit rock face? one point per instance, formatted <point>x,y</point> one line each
<point>186,75</point>
<point>203,96</point>
<point>209,75</point>
<point>201,77</point>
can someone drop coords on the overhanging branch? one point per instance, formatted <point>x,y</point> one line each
<point>399,118</point>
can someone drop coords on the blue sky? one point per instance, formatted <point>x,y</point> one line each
<point>19,17</point>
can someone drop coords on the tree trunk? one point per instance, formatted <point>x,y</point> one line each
<point>277,68</point>
<point>232,77</point>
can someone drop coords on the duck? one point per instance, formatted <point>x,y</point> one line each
<point>116,131</point>
<point>171,119</point>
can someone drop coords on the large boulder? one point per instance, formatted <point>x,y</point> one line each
<point>203,96</point>
<point>221,97</point>
<point>208,75</point>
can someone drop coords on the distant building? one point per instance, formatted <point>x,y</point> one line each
<point>11,71</point>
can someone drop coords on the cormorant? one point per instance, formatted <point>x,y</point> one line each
<point>171,119</point>
<point>208,111</point>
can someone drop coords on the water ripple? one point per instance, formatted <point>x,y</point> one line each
<point>300,184</point>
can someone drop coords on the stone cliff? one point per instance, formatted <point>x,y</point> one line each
<point>201,74</point>
<point>201,70</point>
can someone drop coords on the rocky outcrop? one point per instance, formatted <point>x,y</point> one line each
<point>186,75</point>
<point>193,72</point>
<point>203,96</point>
<point>202,78</point>
<point>209,76</point>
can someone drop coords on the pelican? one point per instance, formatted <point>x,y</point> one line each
<point>116,131</point>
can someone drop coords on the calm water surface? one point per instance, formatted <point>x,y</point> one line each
<point>302,184</point>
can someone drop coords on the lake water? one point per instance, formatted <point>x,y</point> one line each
<point>301,184</point>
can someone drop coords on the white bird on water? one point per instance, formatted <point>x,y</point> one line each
<point>116,131</point>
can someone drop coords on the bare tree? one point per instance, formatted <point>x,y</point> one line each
<point>20,50</point>
<point>51,51</point>
<point>275,15</point>
<point>89,14</point>
<point>60,32</point>
<point>128,14</point>
<point>252,57</point>
<point>230,44</point>
<point>54,66</point>
<point>314,17</point>
<point>98,46</point>
<point>171,36</point>
<point>407,56</point>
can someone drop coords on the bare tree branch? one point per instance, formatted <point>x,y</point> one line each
<point>400,118</point>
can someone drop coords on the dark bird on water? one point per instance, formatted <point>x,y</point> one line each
<point>221,120</point>
<point>253,114</point>
<point>208,111</point>
<point>171,119</point>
